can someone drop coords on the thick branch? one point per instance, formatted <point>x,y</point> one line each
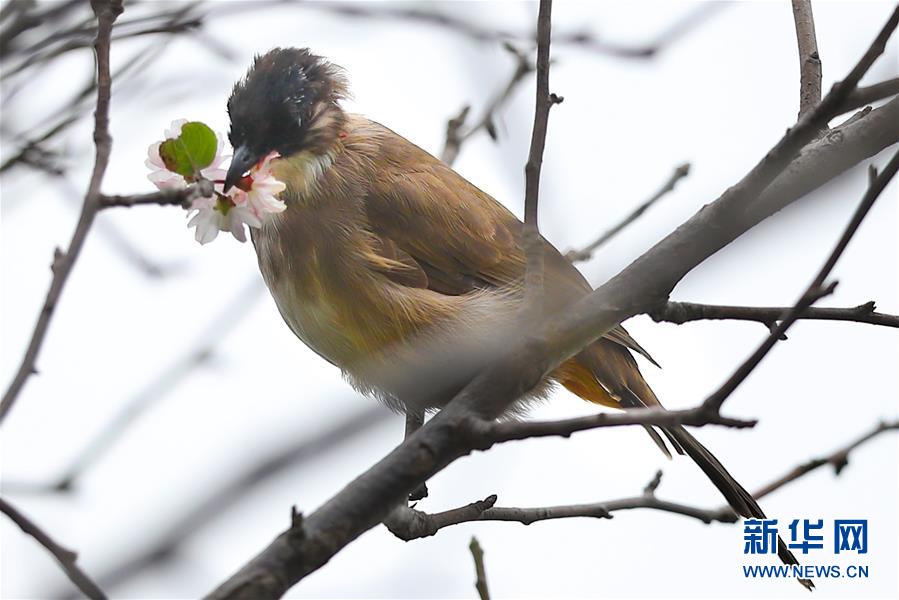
<point>809,60</point>
<point>66,558</point>
<point>640,287</point>
<point>106,13</point>
<point>586,253</point>
<point>685,312</point>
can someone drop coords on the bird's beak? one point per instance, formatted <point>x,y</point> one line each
<point>241,162</point>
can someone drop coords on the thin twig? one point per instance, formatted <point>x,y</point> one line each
<point>586,253</point>
<point>685,312</point>
<point>839,459</point>
<point>456,136</point>
<point>171,197</point>
<point>586,40</point>
<point>413,524</point>
<point>480,584</point>
<point>809,60</point>
<point>66,558</point>
<point>815,290</point>
<point>533,245</point>
<point>106,13</point>
<point>506,431</point>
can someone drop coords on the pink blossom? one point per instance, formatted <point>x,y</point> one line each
<point>264,188</point>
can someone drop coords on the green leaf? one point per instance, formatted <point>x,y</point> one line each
<point>191,151</point>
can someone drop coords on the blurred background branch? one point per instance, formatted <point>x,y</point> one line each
<point>586,253</point>
<point>66,558</point>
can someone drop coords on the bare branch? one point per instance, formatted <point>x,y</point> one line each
<point>809,60</point>
<point>66,558</point>
<point>872,93</point>
<point>685,312</point>
<point>106,13</point>
<point>414,524</point>
<point>533,245</point>
<point>586,253</point>
<point>474,31</point>
<point>170,197</point>
<point>456,137</point>
<point>507,431</point>
<point>480,584</point>
<point>409,524</point>
<point>838,459</point>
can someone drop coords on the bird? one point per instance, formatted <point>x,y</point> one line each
<point>387,262</point>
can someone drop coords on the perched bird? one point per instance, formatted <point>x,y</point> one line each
<point>386,258</point>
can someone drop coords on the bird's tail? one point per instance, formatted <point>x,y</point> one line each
<point>622,386</point>
<point>736,495</point>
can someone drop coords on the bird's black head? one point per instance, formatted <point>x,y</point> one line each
<point>288,102</point>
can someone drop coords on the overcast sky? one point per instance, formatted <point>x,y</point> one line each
<point>718,98</point>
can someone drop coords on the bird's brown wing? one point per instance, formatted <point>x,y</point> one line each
<point>459,236</point>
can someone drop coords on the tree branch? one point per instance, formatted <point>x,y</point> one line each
<point>838,459</point>
<point>809,60</point>
<point>106,13</point>
<point>172,197</point>
<point>413,524</point>
<point>456,137</point>
<point>480,584</point>
<point>66,558</point>
<point>685,312</point>
<point>410,524</point>
<point>872,93</point>
<point>586,253</point>
<point>533,244</point>
<point>583,39</point>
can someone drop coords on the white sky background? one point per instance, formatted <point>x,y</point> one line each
<point>719,98</point>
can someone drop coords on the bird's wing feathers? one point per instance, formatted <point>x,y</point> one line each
<point>620,336</point>
<point>460,238</point>
<point>448,227</point>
